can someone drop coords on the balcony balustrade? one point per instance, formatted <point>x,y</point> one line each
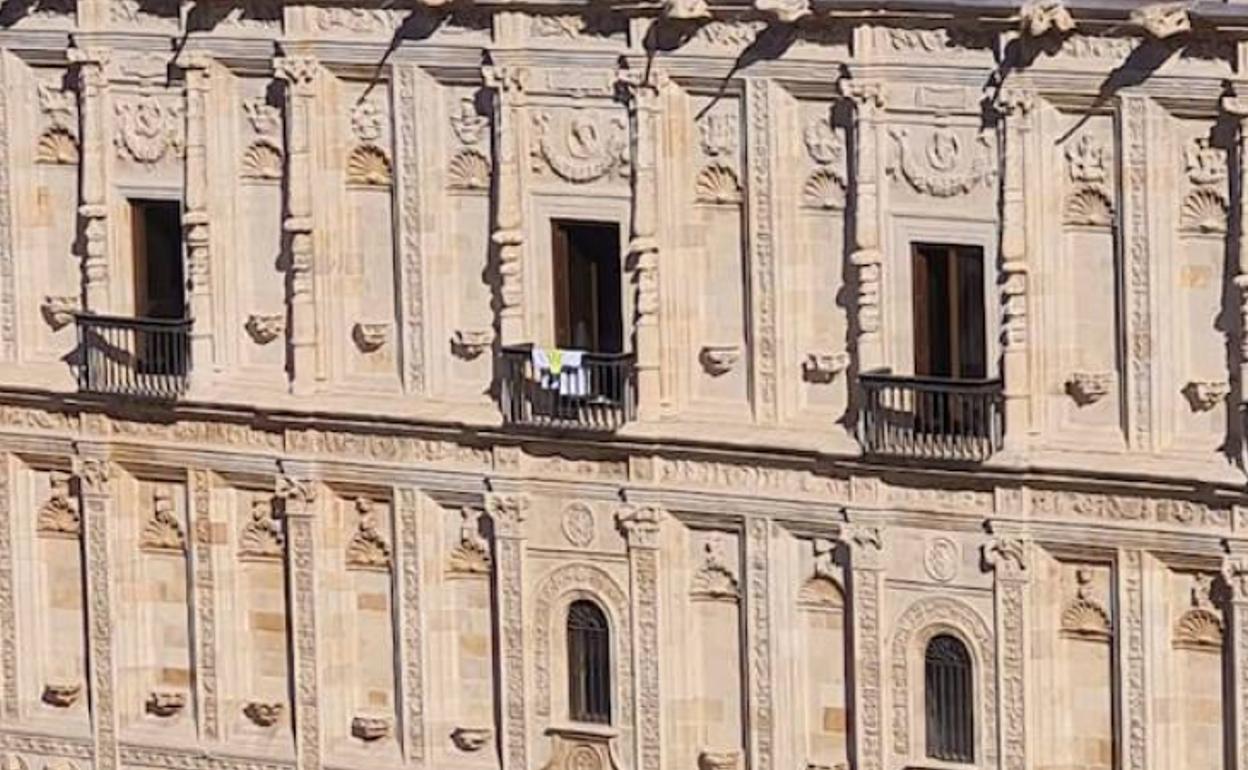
<point>599,395</point>
<point>930,418</point>
<point>133,357</point>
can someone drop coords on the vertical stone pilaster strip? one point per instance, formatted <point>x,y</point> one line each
<point>205,587</point>
<point>8,273</point>
<point>641,527</point>
<point>93,476</point>
<point>1008,558</point>
<point>1131,656</point>
<point>643,90</point>
<point>298,497</point>
<point>410,212</point>
<point>866,560</point>
<point>508,513</point>
<point>1016,107</point>
<point>8,616</point>
<point>1135,225</point>
<point>761,217</point>
<point>93,200</point>
<point>411,638</point>
<point>508,84</point>
<point>1237,107</point>
<point>301,74</point>
<point>198,253</point>
<point>758,640</point>
<point>1235,575</point>
<point>868,101</point>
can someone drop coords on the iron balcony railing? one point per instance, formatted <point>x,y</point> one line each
<point>138,357</point>
<point>598,395</point>
<point>931,418</point>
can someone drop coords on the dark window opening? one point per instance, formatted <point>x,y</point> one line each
<point>948,700</point>
<point>158,277</point>
<point>588,312</point>
<point>589,664</point>
<point>949,329</point>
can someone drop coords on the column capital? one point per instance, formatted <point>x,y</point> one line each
<point>194,61</point>
<point>866,545</point>
<point>508,512</point>
<point>1015,102</point>
<point>641,524</point>
<point>93,474</point>
<point>510,79</point>
<point>867,95</point>
<point>1007,556</point>
<point>90,64</point>
<point>297,494</point>
<point>637,84</point>
<point>299,71</point>
<point>1235,105</point>
<point>1235,571</point>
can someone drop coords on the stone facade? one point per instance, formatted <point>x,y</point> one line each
<point>328,550</point>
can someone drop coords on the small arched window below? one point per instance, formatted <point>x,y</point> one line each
<point>948,700</point>
<point>589,663</point>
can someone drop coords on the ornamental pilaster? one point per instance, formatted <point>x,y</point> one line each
<point>1007,556</point>
<point>1237,107</point>
<point>643,90</point>
<point>411,619</point>
<point>760,691</point>
<point>1235,576</point>
<point>865,543</point>
<point>866,257</point>
<point>301,74</point>
<point>641,526</point>
<point>1136,140</point>
<point>508,513</point>
<point>89,64</point>
<point>298,498</point>
<point>1015,110</point>
<point>1133,730</point>
<point>94,475</point>
<point>508,83</point>
<point>203,568</point>
<point>198,69</point>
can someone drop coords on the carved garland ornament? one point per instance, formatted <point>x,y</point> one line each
<point>921,620</point>
<point>555,592</point>
<point>945,167</point>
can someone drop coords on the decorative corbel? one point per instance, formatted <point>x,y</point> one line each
<point>1163,20</point>
<point>1038,18</point>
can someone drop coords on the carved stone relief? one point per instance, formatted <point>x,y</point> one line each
<point>1203,210</point>
<point>1089,196</point>
<point>149,129</point>
<point>1085,616</point>
<point>263,158</point>
<point>578,524</point>
<point>946,163</point>
<point>368,163</point>
<point>1200,626</point>
<point>822,589</point>
<point>471,556</point>
<point>58,138</point>
<point>368,548</point>
<point>715,577</point>
<point>263,537</point>
<point>826,184</point>
<point>163,531</point>
<point>59,515</point>
<point>581,145</point>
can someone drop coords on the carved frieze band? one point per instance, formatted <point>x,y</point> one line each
<point>412,638</point>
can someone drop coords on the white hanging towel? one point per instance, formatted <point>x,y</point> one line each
<point>542,368</point>
<point>573,378</point>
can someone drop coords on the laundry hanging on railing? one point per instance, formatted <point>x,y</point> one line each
<point>561,370</point>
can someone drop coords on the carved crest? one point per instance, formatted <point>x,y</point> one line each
<point>59,514</point>
<point>368,549</point>
<point>163,531</point>
<point>263,537</point>
<point>947,165</point>
<point>714,579</point>
<point>581,147</point>
<point>147,130</point>
<point>472,555</point>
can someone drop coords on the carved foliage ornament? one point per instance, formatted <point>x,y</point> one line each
<point>581,146</point>
<point>1038,18</point>
<point>947,165</point>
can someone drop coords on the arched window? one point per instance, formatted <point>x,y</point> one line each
<point>948,700</point>
<point>589,663</point>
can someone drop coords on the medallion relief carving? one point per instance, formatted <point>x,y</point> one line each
<point>941,559</point>
<point>580,146</point>
<point>578,524</point>
<point>149,129</point>
<point>946,163</point>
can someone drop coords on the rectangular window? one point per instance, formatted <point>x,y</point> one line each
<point>588,312</point>
<point>156,237</point>
<point>950,339</point>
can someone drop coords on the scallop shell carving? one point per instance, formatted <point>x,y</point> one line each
<point>368,165</point>
<point>1203,211</point>
<point>262,160</point>
<point>1199,629</point>
<point>823,190</point>
<point>468,170</point>
<point>58,146</point>
<point>1086,620</point>
<point>1089,207</point>
<point>718,184</point>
